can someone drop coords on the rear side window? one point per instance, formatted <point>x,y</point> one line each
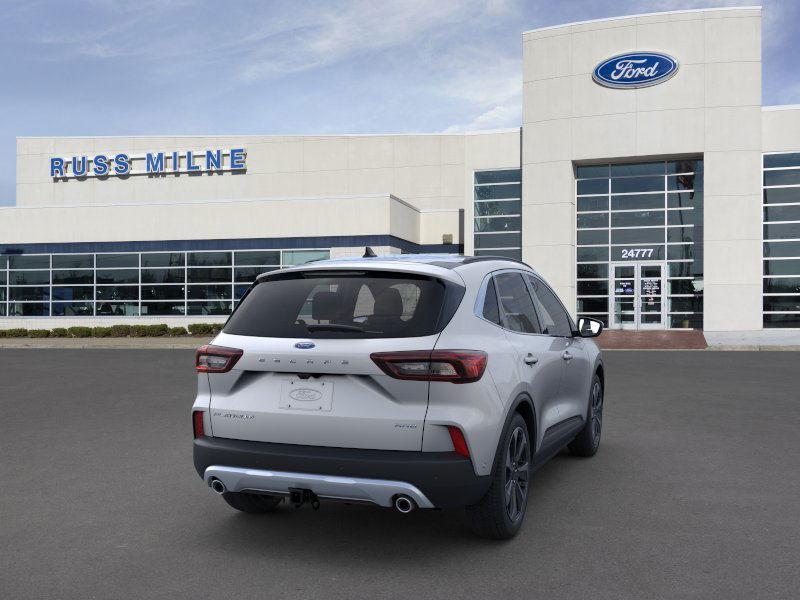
<point>554,318</point>
<point>516,306</point>
<point>345,304</point>
<point>491,311</point>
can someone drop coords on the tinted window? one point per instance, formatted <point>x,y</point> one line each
<point>73,261</point>
<point>163,259</point>
<point>554,318</point>
<point>515,303</point>
<point>351,305</point>
<point>491,311</point>
<point>110,261</point>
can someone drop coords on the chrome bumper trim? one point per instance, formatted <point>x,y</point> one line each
<point>332,487</point>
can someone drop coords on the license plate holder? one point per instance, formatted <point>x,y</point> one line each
<point>301,394</point>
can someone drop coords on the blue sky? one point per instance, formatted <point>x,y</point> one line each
<point>151,67</point>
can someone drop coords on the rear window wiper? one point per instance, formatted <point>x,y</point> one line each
<point>335,327</point>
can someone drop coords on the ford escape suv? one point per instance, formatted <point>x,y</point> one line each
<point>414,381</point>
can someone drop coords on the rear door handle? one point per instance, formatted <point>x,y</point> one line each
<point>566,356</point>
<point>530,359</point>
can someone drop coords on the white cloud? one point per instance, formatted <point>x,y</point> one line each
<point>498,117</point>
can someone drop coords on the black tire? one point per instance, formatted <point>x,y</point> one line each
<point>499,515</point>
<point>587,441</point>
<point>252,503</point>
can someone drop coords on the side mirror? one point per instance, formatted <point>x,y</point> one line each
<point>588,327</point>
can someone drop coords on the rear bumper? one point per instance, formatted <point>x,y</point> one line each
<point>445,479</point>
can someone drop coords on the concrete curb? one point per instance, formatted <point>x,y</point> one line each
<point>167,343</point>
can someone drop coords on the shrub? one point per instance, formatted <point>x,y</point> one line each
<point>176,331</point>
<point>120,330</point>
<point>201,329</point>
<point>80,332</point>
<point>38,333</point>
<point>101,332</point>
<point>138,330</point>
<point>157,330</point>
<point>17,332</point>
<point>59,332</point>
<point>2,333</point>
<point>217,327</point>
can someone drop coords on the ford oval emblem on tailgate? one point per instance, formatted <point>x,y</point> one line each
<point>304,345</point>
<point>305,395</point>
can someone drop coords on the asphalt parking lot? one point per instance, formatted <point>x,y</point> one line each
<point>695,493</point>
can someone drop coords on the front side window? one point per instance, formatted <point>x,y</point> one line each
<point>555,320</point>
<point>516,308</point>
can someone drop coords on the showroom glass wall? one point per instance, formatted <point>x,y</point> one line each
<point>781,300</point>
<point>128,284</point>
<point>498,213</point>
<point>641,219</point>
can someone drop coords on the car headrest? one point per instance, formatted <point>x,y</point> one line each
<point>388,303</point>
<point>325,306</point>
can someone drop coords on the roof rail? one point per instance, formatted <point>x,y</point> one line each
<point>483,257</point>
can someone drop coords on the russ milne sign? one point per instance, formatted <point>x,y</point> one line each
<point>635,70</point>
<point>151,163</point>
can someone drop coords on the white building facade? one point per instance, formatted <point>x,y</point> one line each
<point>647,183</point>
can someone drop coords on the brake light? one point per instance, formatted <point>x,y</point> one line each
<point>216,359</point>
<point>459,443</point>
<point>197,424</point>
<point>455,366</point>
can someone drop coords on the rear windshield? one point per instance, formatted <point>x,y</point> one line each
<point>342,305</point>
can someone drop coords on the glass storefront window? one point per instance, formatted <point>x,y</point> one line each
<point>73,261</point>
<point>33,261</point>
<point>112,261</point>
<point>209,259</point>
<point>163,259</point>
<point>639,213</point>
<point>108,284</point>
<point>257,257</point>
<point>498,210</point>
<point>29,277</point>
<point>781,248</point>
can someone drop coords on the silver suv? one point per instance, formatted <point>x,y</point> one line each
<point>414,381</point>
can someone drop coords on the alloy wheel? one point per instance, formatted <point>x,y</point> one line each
<point>516,474</point>
<point>597,411</point>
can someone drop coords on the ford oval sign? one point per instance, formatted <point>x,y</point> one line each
<point>304,345</point>
<point>635,70</point>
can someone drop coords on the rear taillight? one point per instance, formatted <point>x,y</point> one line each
<point>459,443</point>
<point>197,424</point>
<point>455,366</point>
<point>216,359</point>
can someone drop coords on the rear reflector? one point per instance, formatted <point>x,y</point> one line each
<point>459,443</point>
<point>455,366</point>
<point>197,424</point>
<point>216,359</point>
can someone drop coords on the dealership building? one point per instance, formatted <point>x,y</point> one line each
<point>646,183</point>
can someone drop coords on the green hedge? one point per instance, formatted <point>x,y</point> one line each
<point>162,329</point>
<point>16,332</point>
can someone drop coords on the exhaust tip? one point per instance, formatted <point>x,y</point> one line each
<point>404,504</point>
<point>217,486</point>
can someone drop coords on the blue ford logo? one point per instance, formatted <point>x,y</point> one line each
<point>304,345</point>
<point>635,70</point>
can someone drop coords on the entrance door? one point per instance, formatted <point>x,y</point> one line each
<point>637,295</point>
